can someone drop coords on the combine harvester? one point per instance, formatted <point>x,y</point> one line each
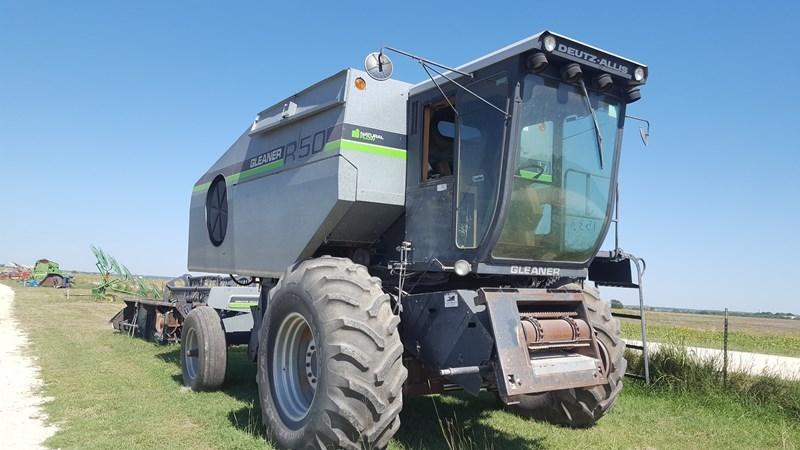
<point>416,239</point>
<point>47,273</point>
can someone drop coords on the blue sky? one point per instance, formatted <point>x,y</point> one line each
<point>109,111</point>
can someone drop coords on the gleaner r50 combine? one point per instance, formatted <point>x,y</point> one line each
<point>414,239</point>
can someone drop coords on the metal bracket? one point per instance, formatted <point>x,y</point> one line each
<point>516,372</point>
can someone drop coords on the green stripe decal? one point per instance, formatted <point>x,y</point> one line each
<point>201,187</point>
<point>241,305</point>
<point>242,175</point>
<point>337,145</point>
<point>254,171</point>
<point>375,149</point>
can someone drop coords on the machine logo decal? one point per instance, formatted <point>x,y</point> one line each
<point>594,59</point>
<point>326,140</point>
<point>366,135</point>
<point>450,300</point>
<point>266,158</point>
<point>532,270</point>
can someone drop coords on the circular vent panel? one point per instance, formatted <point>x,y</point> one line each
<point>217,211</point>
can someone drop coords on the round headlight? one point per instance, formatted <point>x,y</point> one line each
<point>462,268</point>
<point>638,74</point>
<point>549,43</point>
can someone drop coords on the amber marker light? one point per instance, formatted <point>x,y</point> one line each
<point>361,84</point>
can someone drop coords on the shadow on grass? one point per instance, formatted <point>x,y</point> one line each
<point>240,375</point>
<point>240,383</point>
<point>453,421</point>
<point>456,421</point>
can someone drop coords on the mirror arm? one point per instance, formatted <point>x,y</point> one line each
<point>504,113</point>
<point>425,68</point>
<point>425,61</point>
<point>429,66</point>
<point>646,134</point>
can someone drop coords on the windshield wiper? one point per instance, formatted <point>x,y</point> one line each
<point>594,119</point>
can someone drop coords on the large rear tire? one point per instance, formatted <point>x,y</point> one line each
<point>330,371</point>
<point>581,408</point>
<point>204,352</point>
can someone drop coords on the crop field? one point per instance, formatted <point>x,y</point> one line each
<point>108,390</point>
<point>749,334</point>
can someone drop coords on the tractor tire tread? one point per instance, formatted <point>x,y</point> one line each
<point>366,372</point>
<point>213,358</point>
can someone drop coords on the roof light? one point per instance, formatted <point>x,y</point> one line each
<point>537,62</point>
<point>549,43</point>
<point>571,72</point>
<point>638,74</point>
<point>603,82</point>
<point>633,94</point>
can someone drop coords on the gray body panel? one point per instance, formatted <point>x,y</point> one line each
<point>235,299</point>
<point>327,164</point>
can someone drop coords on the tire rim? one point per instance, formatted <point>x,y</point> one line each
<point>294,367</point>
<point>605,359</point>
<point>191,353</point>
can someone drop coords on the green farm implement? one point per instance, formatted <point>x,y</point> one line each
<point>117,279</point>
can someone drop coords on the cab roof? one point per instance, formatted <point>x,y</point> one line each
<point>522,46</point>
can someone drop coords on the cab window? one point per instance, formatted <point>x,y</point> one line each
<point>480,135</point>
<point>438,142</point>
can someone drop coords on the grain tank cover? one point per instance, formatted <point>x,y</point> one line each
<point>324,165</point>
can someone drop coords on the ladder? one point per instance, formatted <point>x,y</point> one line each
<point>612,269</point>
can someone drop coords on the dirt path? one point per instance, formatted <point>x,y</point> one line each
<point>21,419</point>
<point>753,363</point>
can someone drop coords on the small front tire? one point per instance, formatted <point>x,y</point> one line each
<point>204,353</point>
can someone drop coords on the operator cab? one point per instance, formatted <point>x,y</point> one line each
<point>515,171</point>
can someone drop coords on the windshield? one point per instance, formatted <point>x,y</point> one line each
<point>560,194</point>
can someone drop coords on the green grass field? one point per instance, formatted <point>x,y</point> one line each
<point>108,390</point>
<point>748,334</point>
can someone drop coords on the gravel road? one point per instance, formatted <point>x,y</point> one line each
<point>22,423</point>
<point>753,363</point>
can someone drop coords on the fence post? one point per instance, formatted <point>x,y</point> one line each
<point>725,351</point>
